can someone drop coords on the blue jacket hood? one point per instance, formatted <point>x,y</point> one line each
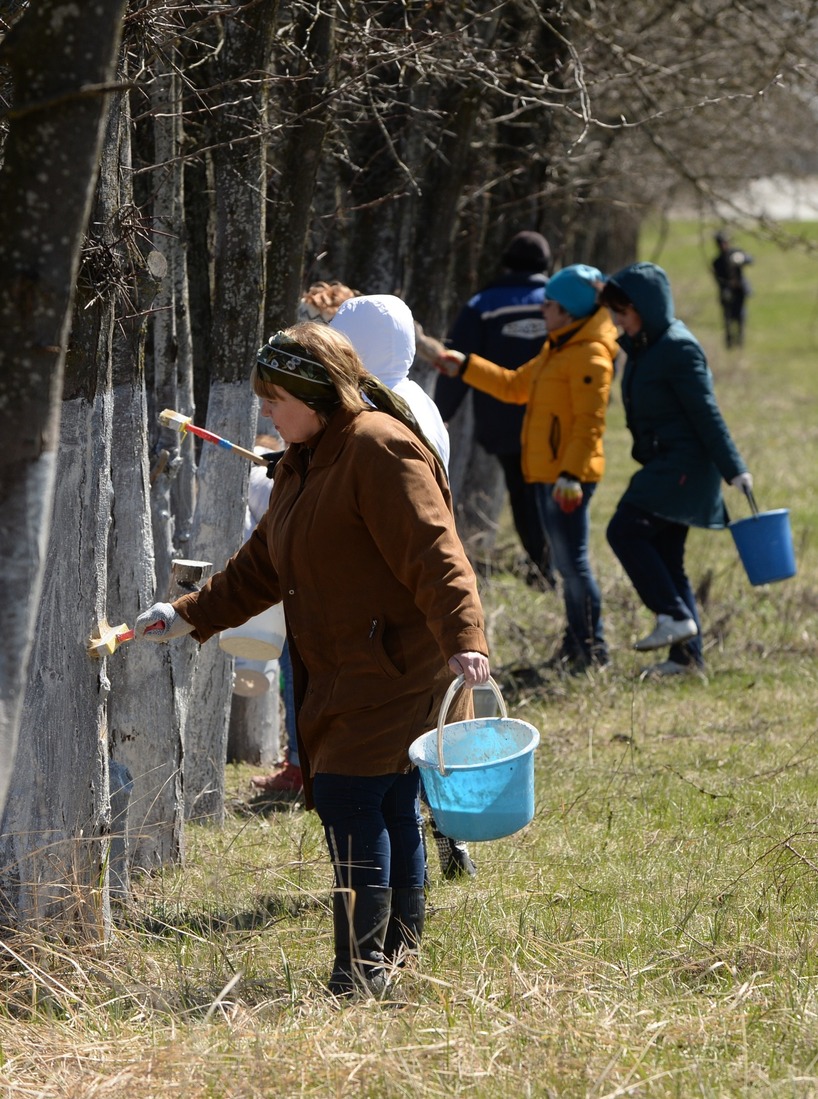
<point>648,287</point>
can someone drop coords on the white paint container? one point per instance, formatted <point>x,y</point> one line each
<point>252,678</point>
<point>260,638</point>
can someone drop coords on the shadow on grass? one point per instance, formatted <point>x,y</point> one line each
<point>263,804</point>
<point>268,910</point>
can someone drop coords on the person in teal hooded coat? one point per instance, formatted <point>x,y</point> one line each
<point>685,451</point>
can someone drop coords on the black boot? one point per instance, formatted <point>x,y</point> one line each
<point>359,937</point>
<point>405,925</point>
<point>455,860</point>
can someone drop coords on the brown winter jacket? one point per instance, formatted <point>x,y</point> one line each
<point>360,545</point>
<point>566,389</point>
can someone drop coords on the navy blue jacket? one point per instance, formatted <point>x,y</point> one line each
<point>679,436</point>
<point>504,324</point>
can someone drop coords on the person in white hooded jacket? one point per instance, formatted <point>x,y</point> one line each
<point>382,329</point>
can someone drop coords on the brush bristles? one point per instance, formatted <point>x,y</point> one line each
<point>100,647</point>
<point>169,418</point>
<point>105,644</point>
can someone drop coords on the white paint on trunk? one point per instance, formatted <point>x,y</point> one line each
<point>218,533</point>
<point>145,730</point>
<point>54,842</point>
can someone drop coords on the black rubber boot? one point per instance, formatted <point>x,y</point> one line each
<point>359,940</point>
<point>405,925</point>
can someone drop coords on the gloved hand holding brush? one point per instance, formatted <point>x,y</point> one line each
<point>148,623</point>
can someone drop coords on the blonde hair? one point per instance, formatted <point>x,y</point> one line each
<point>338,357</point>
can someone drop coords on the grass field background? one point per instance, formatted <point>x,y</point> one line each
<point>651,933</point>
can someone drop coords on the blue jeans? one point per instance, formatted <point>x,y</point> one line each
<point>651,551</point>
<point>568,537</point>
<point>371,828</point>
<point>285,667</point>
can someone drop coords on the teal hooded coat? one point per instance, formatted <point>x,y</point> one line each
<point>679,436</point>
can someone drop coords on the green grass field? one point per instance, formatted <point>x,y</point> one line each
<point>651,933</point>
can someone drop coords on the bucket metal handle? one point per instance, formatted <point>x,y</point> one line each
<point>454,687</point>
<point>752,501</point>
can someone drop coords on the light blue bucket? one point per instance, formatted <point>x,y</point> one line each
<point>764,544</point>
<point>478,775</point>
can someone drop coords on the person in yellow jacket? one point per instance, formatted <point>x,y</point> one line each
<point>566,389</point>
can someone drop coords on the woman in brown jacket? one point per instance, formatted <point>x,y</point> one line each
<point>359,544</point>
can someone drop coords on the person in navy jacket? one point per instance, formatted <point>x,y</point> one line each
<point>685,453</point>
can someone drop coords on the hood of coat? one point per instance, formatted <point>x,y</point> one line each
<point>648,287</point>
<point>382,330</point>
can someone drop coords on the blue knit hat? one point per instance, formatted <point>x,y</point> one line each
<point>573,288</point>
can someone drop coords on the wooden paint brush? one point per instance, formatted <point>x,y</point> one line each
<point>180,423</point>
<point>111,637</point>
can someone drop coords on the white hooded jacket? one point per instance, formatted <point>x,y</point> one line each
<point>382,330</point>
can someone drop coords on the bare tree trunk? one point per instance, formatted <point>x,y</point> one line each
<point>297,161</point>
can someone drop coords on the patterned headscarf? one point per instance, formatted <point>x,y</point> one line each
<point>284,362</point>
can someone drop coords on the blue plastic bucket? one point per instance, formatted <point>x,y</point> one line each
<point>478,775</point>
<point>764,544</point>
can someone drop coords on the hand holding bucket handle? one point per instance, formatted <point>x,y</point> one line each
<point>744,483</point>
<point>448,698</point>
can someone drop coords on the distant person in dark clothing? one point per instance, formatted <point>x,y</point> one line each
<point>734,289</point>
<point>504,324</point>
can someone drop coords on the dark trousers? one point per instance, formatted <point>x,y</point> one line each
<point>371,828</point>
<point>522,498</point>
<point>733,312</point>
<point>651,551</point>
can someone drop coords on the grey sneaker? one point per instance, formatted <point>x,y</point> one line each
<point>667,631</point>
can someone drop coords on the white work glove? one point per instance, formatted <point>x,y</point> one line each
<point>174,624</point>
<point>744,483</point>
<point>567,493</point>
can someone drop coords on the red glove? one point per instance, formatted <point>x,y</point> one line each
<point>567,493</point>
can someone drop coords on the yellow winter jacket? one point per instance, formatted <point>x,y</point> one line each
<point>566,387</point>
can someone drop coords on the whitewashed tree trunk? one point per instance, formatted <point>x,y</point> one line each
<point>237,313</point>
<point>46,186</point>
<point>218,534</point>
<point>144,724</point>
<point>167,195</point>
<point>54,842</point>
<point>60,842</point>
<point>253,732</point>
<point>477,483</point>
<point>145,729</point>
